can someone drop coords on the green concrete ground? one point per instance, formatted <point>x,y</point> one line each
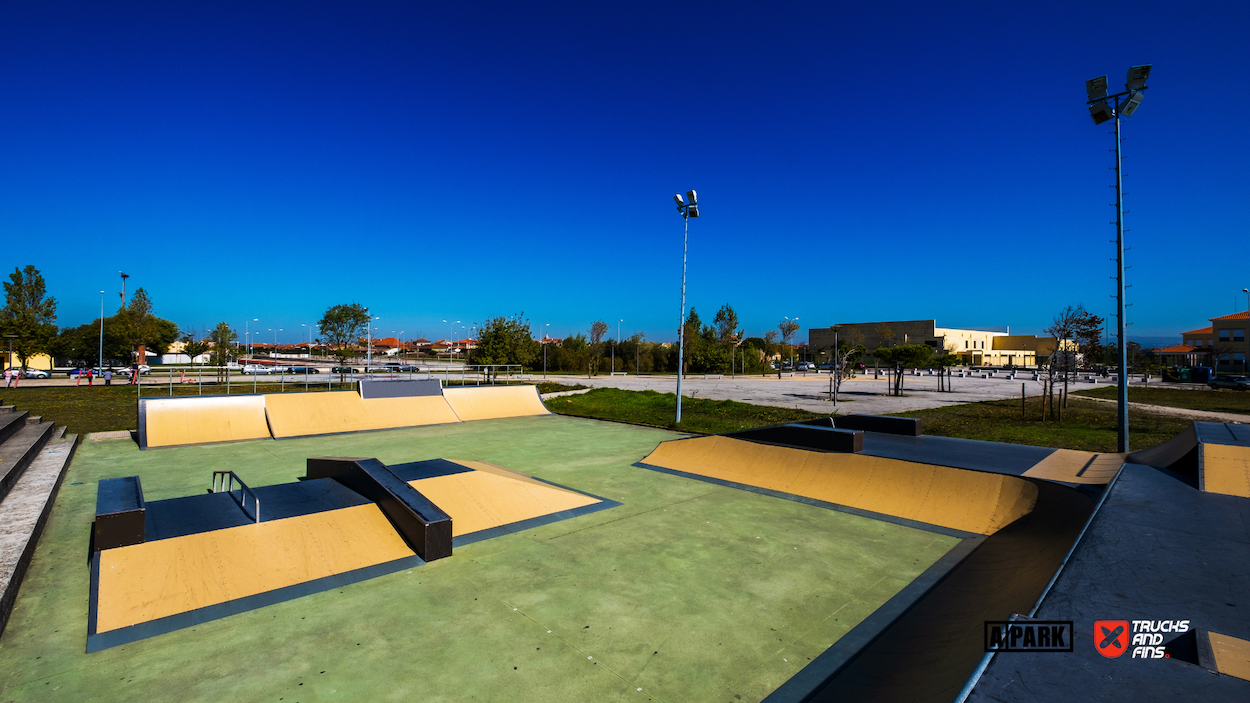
<point>687,592</point>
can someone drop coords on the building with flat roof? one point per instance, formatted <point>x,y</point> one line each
<point>975,346</point>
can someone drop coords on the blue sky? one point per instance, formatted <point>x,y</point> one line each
<point>464,160</point>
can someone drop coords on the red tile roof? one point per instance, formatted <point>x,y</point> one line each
<point>1178,349</point>
<point>1234,316</point>
<point>1204,330</point>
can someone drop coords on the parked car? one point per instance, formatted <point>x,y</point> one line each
<point>33,373</point>
<point>257,370</point>
<point>406,368</point>
<point>344,369</point>
<point>302,369</point>
<point>1237,383</point>
<point>805,366</point>
<point>144,370</point>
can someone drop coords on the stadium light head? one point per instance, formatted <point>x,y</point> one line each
<point>1137,76</point>
<point>692,197</point>
<point>1101,112</point>
<point>1130,105</point>
<point>693,210</point>
<point>677,199</point>
<point>1096,88</point>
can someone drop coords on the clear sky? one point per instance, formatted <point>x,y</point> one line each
<point>854,161</point>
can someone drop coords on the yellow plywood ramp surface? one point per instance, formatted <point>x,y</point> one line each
<point>1226,469</point>
<point>491,402</point>
<point>972,501</point>
<point>491,496</point>
<point>302,414</point>
<point>1073,466</point>
<point>169,422</point>
<point>1232,655</point>
<point>153,580</point>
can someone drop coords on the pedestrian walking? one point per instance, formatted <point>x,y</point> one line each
<point>108,376</point>
<point>90,377</point>
<point>8,377</point>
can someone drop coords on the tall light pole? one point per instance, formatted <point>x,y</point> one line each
<point>616,342</point>
<point>546,336</point>
<point>450,345</point>
<point>687,210</point>
<point>369,344</point>
<point>1125,104</point>
<point>247,335</point>
<point>101,361</point>
<point>123,293</point>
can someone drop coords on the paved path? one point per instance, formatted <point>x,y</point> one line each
<point>1180,412</point>
<point>864,395</point>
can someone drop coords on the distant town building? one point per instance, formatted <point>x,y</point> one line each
<point>975,346</point>
<point>1222,345</point>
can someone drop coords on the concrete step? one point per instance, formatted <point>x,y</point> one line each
<point>23,514</point>
<point>18,451</point>
<point>10,423</point>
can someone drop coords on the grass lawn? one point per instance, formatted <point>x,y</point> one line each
<point>1201,398</point>
<point>687,591</point>
<point>657,409</point>
<point>1086,425</point>
<point>102,408</point>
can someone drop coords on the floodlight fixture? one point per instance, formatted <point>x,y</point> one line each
<point>692,197</point>
<point>677,199</point>
<point>1137,76</point>
<point>1096,88</point>
<point>1130,104</point>
<point>1101,112</point>
<point>693,210</point>
<point>1106,108</point>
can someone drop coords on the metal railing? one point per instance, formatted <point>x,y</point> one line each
<point>223,482</point>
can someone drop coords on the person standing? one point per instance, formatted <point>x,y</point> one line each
<point>108,376</point>
<point>8,377</point>
<point>90,377</point>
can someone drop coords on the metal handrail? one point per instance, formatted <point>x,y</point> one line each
<point>226,485</point>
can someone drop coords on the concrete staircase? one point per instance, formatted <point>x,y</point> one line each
<point>34,456</point>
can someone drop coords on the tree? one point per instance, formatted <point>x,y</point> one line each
<point>906,355</point>
<point>787,327</point>
<point>27,314</point>
<point>1062,328</point>
<point>192,346</point>
<point>341,327</point>
<point>223,339</point>
<point>1087,332</point>
<point>597,330</point>
<point>844,359</point>
<point>505,340</point>
<point>726,324</point>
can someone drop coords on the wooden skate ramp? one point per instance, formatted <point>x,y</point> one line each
<point>960,499</point>
<point>1071,466</point>
<point>480,500</point>
<point>304,414</point>
<point>1226,469</point>
<point>170,422</point>
<point>492,402</point>
<point>144,582</point>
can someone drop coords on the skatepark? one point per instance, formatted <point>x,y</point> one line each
<point>463,543</point>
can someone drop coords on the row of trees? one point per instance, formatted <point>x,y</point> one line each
<point>29,319</point>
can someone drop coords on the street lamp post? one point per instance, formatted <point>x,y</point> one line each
<point>101,360</point>
<point>451,355</point>
<point>1125,104</point>
<point>247,334</point>
<point>614,343</point>
<point>546,336</point>
<point>687,210</point>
